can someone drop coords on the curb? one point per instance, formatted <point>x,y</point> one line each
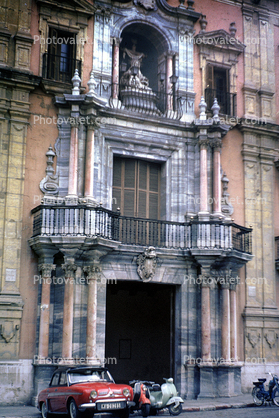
<point>217,407</point>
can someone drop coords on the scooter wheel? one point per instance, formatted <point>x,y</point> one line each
<point>145,410</point>
<point>276,397</point>
<point>175,410</point>
<point>257,396</point>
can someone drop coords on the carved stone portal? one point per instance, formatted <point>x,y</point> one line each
<point>147,262</point>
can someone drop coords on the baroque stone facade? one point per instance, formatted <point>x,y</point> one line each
<point>139,147</point>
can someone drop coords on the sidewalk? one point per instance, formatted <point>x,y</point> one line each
<point>242,401</point>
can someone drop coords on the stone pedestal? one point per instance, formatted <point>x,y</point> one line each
<point>208,381</point>
<point>222,380</point>
<point>42,376</point>
<point>193,380</point>
<point>229,380</point>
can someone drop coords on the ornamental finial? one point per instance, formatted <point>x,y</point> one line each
<point>76,84</point>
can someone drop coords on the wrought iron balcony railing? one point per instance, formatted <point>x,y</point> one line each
<point>59,67</point>
<point>99,222</point>
<point>226,101</point>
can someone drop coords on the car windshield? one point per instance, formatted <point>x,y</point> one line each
<point>89,376</point>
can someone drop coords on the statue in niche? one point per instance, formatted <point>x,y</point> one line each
<point>133,77</point>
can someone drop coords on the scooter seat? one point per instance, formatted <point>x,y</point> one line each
<point>155,388</point>
<point>257,383</point>
<point>262,380</point>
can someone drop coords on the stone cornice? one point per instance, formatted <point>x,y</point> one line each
<point>80,6</point>
<point>180,11</point>
<point>219,39</point>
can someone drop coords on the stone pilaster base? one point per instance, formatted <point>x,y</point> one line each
<point>220,380</point>
<point>229,380</point>
<point>193,381</point>
<point>42,376</point>
<point>208,381</point>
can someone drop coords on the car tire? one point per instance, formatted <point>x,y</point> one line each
<point>44,410</point>
<point>125,413</point>
<point>175,410</point>
<point>73,410</point>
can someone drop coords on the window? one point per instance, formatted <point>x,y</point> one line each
<point>63,379</point>
<point>218,86</point>
<point>136,188</point>
<point>59,62</point>
<point>55,380</point>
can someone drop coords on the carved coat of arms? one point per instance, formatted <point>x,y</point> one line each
<point>147,262</point>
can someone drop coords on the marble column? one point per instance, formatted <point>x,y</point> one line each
<point>91,330</point>
<point>89,163</point>
<point>225,328</point>
<point>45,270</point>
<point>68,311</point>
<point>217,144</point>
<point>203,142</point>
<point>205,322</point>
<point>73,160</point>
<point>115,68</point>
<point>169,73</point>
<point>233,322</point>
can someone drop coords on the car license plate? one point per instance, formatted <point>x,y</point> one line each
<point>108,406</point>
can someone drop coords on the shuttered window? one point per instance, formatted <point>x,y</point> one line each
<point>136,188</point>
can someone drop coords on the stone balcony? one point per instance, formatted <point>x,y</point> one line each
<point>77,225</point>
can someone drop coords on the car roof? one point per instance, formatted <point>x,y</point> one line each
<point>77,369</point>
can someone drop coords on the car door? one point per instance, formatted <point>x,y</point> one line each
<point>62,393</point>
<point>52,392</point>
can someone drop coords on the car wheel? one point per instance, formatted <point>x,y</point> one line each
<point>125,413</point>
<point>44,411</point>
<point>257,396</point>
<point>276,397</point>
<point>73,410</point>
<point>175,409</point>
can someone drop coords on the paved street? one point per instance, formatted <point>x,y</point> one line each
<point>252,412</point>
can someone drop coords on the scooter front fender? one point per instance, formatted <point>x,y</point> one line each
<point>175,399</point>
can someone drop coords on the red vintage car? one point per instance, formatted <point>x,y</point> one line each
<point>76,390</point>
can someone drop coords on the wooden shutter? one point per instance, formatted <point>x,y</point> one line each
<point>136,188</point>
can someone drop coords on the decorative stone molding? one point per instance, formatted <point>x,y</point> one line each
<point>69,270</point>
<point>93,272</point>
<point>146,4</point>
<point>49,185</point>
<point>253,339</point>
<point>271,342</point>
<point>226,206</point>
<point>8,336</point>
<point>147,262</point>
<point>46,269</point>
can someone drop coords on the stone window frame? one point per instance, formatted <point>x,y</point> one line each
<point>62,20</point>
<point>219,49</point>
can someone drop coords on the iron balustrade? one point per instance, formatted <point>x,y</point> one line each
<point>226,101</point>
<point>59,67</point>
<point>87,221</point>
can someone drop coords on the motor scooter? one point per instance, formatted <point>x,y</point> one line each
<point>141,397</point>
<point>164,396</point>
<point>261,395</point>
